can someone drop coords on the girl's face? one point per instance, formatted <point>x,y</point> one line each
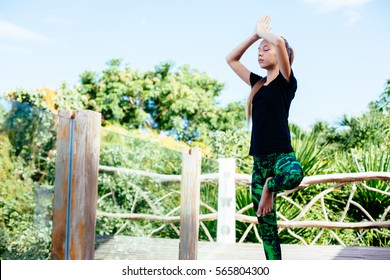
<point>266,55</point>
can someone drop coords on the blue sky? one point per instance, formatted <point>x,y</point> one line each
<point>342,52</point>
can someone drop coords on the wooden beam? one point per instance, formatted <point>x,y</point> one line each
<point>155,218</point>
<point>162,178</point>
<point>75,195</point>
<point>59,236</point>
<point>246,179</point>
<point>319,224</point>
<point>190,201</point>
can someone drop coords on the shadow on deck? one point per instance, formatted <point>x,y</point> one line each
<point>136,248</point>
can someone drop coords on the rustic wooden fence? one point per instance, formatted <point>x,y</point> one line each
<point>75,198</point>
<point>228,215</point>
<point>76,182</point>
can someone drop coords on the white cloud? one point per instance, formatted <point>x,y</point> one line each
<point>14,49</point>
<point>11,31</point>
<point>332,5</point>
<point>350,7</point>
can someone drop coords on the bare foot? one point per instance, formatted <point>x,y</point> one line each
<point>267,200</point>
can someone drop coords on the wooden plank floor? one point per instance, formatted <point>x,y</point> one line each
<point>135,248</point>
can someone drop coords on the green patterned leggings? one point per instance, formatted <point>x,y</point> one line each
<point>286,173</point>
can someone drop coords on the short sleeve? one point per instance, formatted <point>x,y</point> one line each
<point>254,78</point>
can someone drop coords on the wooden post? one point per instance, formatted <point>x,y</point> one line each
<point>226,225</point>
<point>190,201</point>
<point>75,194</point>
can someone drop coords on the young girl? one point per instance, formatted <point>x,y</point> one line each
<point>275,167</point>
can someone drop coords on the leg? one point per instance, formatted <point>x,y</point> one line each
<point>268,227</point>
<point>261,170</point>
<point>267,224</point>
<point>288,174</point>
<point>269,235</point>
<point>267,200</point>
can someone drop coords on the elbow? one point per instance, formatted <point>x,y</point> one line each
<point>228,59</point>
<point>280,43</point>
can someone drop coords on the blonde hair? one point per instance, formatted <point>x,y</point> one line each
<point>290,51</point>
<point>257,86</point>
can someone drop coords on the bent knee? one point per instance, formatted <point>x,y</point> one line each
<point>296,178</point>
<point>293,178</point>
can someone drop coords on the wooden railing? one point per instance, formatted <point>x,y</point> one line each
<point>337,182</point>
<point>332,182</point>
<point>75,197</point>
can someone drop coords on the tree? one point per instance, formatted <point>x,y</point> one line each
<point>372,128</point>
<point>182,103</point>
<point>383,102</point>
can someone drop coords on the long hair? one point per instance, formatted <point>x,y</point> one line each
<point>290,51</point>
<point>254,90</point>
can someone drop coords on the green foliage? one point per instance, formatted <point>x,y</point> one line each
<point>134,193</point>
<point>382,104</point>
<point>366,130</point>
<point>137,194</point>
<point>31,133</point>
<point>35,98</point>
<point>372,128</point>
<point>69,98</point>
<point>25,226</point>
<point>209,196</point>
<point>233,144</point>
<point>181,103</point>
<point>363,160</point>
<point>309,151</point>
<point>6,166</point>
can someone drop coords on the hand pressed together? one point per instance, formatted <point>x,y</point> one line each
<point>262,25</point>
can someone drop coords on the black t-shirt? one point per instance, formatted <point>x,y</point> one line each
<point>270,110</point>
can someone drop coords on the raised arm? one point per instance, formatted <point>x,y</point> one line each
<point>279,44</point>
<point>233,58</point>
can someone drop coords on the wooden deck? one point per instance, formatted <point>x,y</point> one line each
<point>135,248</point>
